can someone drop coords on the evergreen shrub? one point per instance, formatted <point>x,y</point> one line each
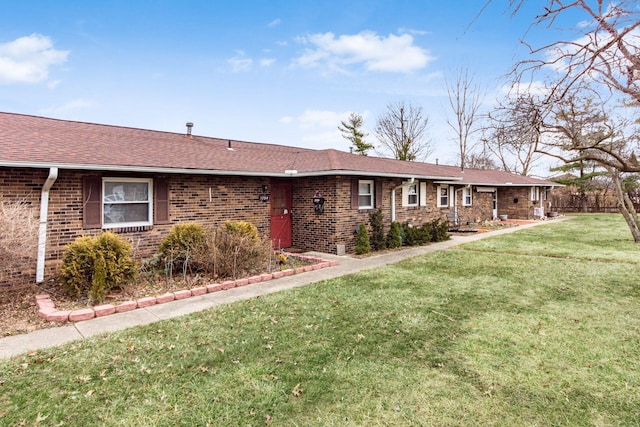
<point>177,248</point>
<point>363,245</point>
<point>92,266</point>
<point>394,237</point>
<point>377,230</point>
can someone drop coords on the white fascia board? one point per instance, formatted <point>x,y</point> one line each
<point>165,170</point>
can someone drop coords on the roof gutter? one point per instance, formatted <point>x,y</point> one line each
<point>42,231</point>
<point>168,170</point>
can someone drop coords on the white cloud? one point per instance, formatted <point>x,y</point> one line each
<point>240,62</point>
<point>68,107</point>
<point>394,54</point>
<point>274,23</point>
<point>265,62</point>
<point>403,30</point>
<point>320,119</point>
<point>28,59</point>
<point>319,128</point>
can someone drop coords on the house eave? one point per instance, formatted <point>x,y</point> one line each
<point>169,170</point>
<point>494,184</point>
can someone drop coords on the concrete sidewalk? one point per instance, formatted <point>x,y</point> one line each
<point>46,338</point>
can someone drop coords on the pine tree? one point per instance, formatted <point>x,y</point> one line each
<point>351,130</point>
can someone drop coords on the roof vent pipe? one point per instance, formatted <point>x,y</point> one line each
<point>229,143</point>
<point>189,126</point>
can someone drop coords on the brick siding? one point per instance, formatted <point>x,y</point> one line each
<point>211,200</point>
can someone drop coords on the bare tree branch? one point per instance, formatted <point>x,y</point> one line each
<point>402,132</point>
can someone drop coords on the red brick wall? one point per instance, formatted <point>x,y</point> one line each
<point>211,200</point>
<point>232,198</point>
<point>337,225</point>
<point>516,202</point>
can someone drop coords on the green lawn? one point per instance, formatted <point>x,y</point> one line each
<point>536,328</point>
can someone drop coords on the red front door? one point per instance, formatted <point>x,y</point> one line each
<point>281,214</point>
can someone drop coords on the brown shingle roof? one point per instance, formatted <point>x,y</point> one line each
<point>38,141</point>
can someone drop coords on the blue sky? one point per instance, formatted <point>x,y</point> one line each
<point>283,72</point>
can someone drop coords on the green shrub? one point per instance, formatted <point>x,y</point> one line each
<point>237,250</point>
<point>415,236</point>
<point>92,266</point>
<point>439,230</point>
<point>242,228</point>
<point>362,240</point>
<point>377,230</point>
<point>394,237</point>
<point>176,250</point>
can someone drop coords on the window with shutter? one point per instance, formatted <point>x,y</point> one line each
<point>91,202</point>
<point>161,201</point>
<point>126,202</point>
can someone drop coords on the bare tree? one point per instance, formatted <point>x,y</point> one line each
<point>513,135</point>
<point>401,132</point>
<point>481,159</point>
<point>464,99</point>
<point>352,131</point>
<point>606,53</point>
<point>605,57</point>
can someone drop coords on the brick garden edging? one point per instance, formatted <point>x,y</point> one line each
<point>47,309</point>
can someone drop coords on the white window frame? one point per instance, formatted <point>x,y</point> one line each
<point>467,196</point>
<point>371,193</point>
<point>440,196</point>
<point>410,192</point>
<point>535,194</point>
<point>149,202</point>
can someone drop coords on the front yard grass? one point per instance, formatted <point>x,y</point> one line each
<point>539,327</point>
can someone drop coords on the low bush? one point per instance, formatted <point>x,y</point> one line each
<point>176,250</point>
<point>363,245</point>
<point>377,239</point>
<point>415,236</point>
<point>92,266</point>
<point>237,250</point>
<point>438,229</point>
<point>18,238</point>
<point>394,237</point>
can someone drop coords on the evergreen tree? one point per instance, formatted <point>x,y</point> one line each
<point>351,130</point>
<point>377,230</point>
<point>362,240</point>
<point>394,237</point>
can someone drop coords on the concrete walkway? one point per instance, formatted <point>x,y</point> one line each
<point>46,338</point>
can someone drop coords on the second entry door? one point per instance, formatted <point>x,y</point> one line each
<point>281,202</point>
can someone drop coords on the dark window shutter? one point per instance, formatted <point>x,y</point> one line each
<point>91,202</point>
<point>355,189</point>
<point>161,201</point>
<point>378,202</point>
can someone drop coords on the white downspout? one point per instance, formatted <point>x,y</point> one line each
<point>393,197</point>
<point>42,232</point>
<point>455,202</point>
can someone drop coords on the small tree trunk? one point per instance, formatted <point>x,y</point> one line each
<point>583,202</point>
<point>626,208</point>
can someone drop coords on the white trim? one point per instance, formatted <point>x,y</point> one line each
<point>372,194</point>
<point>439,196</point>
<point>486,189</point>
<point>149,202</point>
<point>423,194</point>
<point>406,192</point>
<point>147,169</point>
<point>464,196</point>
